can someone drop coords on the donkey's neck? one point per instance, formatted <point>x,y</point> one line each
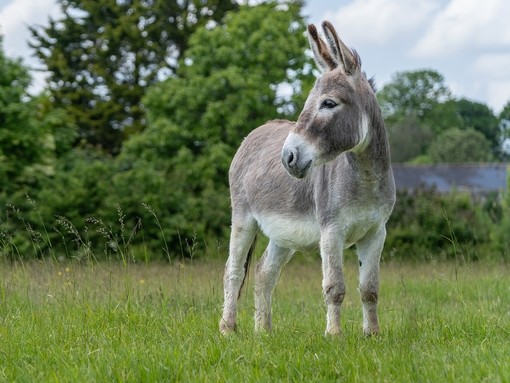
<point>375,157</point>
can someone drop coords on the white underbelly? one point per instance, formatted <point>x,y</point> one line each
<point>293,233</point>
<point>357,227</point>
<point>304,231</point>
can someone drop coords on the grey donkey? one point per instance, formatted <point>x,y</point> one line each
<point>324,180</point>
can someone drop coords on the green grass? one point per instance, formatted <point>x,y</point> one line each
<point>159,322</point>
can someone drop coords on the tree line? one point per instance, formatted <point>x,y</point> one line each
<point>427,124</point>
<point>126,150</point>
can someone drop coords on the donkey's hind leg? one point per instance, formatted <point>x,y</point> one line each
<point>369,254</point>
<point>266,277</point>
<point>242,237</point>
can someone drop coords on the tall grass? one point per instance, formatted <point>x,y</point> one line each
<point>64,322</point>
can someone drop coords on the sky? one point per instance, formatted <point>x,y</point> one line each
<point>467,41</point>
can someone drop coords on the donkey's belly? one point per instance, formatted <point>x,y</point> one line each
<point>293,233</point>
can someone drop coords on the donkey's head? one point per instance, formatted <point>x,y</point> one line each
<point>335,118</point>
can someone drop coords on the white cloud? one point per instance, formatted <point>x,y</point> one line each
<point>466,40</point>
<point>15,18</point>
<point>498,94</point>
<point>495,65</point>
<point>466,25</point>
<point>381,21</point>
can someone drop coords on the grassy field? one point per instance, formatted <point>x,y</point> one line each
<point>159,322</point>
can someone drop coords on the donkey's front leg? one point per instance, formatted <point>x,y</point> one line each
<point>266,277</point>
<point>241,238</point>
<point>369,254</point>
<point>333,286</point>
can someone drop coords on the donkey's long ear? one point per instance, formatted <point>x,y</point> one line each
<point>346,58</point>
<point>323,57</point>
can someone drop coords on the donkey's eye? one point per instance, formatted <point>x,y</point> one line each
<point>328,104</point>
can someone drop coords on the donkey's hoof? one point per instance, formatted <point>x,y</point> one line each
<point>368,332</point>
<point>227,328</point>
<point>264,330</point>
<point>333,332</point>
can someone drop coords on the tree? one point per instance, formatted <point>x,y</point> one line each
<point>230,82</point>
<point>103,55</point>
<point>23,142</point>
<point>25,146</point>
<point>456,146</point>
<point>421,97</point>
<point>408,139</point>
<point>480,117</point>
<point>444,116</point>
<point>505,113</point>
<point>253,55</point>
<point>504,128</point>
<point>466,114</point>
<point>413,92</point>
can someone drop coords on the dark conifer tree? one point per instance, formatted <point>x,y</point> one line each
<point>102,55</point>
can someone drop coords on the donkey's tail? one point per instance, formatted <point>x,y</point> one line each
<point>247,264</point>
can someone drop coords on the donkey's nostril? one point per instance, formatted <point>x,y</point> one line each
<point>290,158</point>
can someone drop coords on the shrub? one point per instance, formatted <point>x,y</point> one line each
<point>426,224</point>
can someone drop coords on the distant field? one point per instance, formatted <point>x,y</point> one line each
<point>159,322</point>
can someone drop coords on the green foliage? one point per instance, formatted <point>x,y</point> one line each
<point>168,186</point>
<point>504,117</point>
<point>231,76</point>
<point>413,93</point>
<point>500,212</point>
<point>479,117</point>
<point>428,225</point>
<point>457,146</point>
<point>227,86</point>
<point>59,125</point>
<point>167,190</point>
<point>24,142</point>
<point>504,127</point>
<point>81,183</point>
<point>408,139</point>
<point>52,220</point>
<point>103,55</point>
<point>467,115</point>
<point>421,113</point>
<point>165,194</point>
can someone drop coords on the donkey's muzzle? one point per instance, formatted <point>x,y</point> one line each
<point>291,162</point>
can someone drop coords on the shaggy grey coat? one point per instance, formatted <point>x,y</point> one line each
<point>325,179</point>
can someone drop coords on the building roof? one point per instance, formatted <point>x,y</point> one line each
<point>474,178</point>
